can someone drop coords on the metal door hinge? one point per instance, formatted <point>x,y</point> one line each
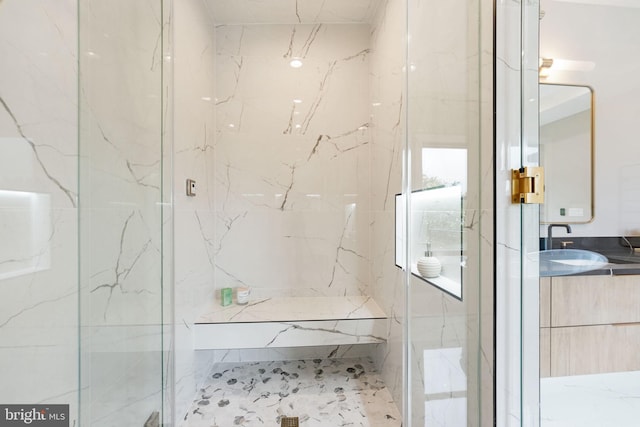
<point>527,185</point>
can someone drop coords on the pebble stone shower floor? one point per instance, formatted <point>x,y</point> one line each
<point>321,393</point>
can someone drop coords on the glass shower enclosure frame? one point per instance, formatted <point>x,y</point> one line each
<point>448,203</point>
<point>113,303</point>
<point>517,225</point>
<point>124,213</point>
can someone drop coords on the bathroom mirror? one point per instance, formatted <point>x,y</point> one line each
<point>566,153</point>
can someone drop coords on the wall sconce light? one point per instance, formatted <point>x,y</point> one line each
<point>558,64</point>
<point>545,67</point>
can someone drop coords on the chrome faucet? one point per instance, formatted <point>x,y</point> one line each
<point>549,243</point>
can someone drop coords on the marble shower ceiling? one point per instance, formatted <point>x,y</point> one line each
<point>291,11</point>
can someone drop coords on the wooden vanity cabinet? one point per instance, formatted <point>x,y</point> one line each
<point>589,324</point>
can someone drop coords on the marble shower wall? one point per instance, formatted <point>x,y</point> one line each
<point>38,200</point>
<point>388,33</point>
<point>194,217</point>
<point>292,156</point>
<point>282,192</point>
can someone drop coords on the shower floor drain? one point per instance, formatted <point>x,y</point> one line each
<point>289,422</point>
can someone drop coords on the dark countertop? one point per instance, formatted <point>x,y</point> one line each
<point>613,270</point>
<point>623,259</point>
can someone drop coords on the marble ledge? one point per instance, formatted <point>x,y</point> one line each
<point>285,309</point>
<point>292,322</point>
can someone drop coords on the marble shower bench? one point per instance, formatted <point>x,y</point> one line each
<point>291,322</point>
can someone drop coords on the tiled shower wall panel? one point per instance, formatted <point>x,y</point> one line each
<point>38,215</point>
<point>292,164</point>
<point>388,33</point>
<point>194,133</point>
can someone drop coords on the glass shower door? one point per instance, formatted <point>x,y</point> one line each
<point>448,265</point>
<point>517,241</point>
<point>530,214</point>
<point>121,200</point>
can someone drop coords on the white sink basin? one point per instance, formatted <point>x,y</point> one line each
<point>563,262</point>
<point>576,262</point>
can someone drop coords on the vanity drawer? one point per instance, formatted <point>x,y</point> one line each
<point>594,300</point>
<point>587,350</point>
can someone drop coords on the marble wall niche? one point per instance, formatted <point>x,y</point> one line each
<point>292,159</point>
<point>38,200</point>
<point>121,211</point>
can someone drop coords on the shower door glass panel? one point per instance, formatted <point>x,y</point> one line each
<point>529,218</point>
<point>443,130</point>
<point>516,233</point>
<point>120,211</point>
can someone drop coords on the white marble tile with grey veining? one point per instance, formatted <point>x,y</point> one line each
<point>192,51</point>
<point>289,334</point>
<point>386,97</point>
<point>38,199</point>
<point>611,399</point>
<point>292,159</point>
<point>294,308</point>
<point>295,12</point>
<point>291,322</point>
